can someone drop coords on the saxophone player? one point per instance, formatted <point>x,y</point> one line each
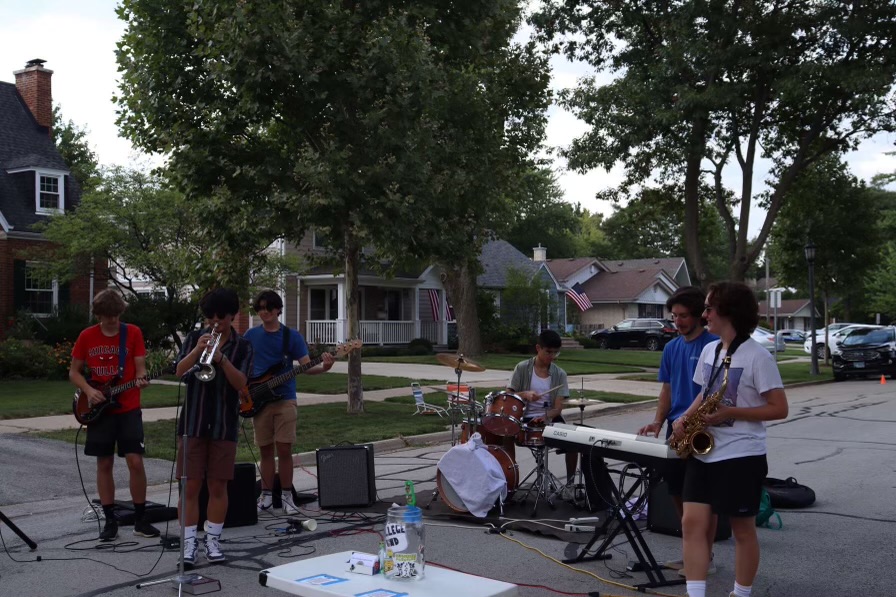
<point>728,478</point>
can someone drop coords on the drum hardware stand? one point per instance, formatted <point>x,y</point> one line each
<point>544,482</point>
<point>184,582</point>
<point>17,531</point>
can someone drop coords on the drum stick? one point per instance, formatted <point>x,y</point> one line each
<point>549,391</point>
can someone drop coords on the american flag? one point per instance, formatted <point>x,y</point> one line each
<point>578,296</point>
<point>434,306</point>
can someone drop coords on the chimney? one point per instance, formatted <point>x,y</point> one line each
<point>539,253</point>
<point>33,83</point>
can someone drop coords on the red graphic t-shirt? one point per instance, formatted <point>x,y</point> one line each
<point>100,352</point>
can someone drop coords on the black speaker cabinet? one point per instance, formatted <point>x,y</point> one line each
<point>597,482</point>
<point>662,517</point>
<point>345,476</point>
<point>241,509</point>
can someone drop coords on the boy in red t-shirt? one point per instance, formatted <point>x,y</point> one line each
<point>97,347</point>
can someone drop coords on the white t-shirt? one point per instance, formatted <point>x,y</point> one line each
<point>753,372</point>
<point>539,385</point>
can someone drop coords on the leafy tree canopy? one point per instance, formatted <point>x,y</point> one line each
<point>71,141</point>
<point>703,86</point>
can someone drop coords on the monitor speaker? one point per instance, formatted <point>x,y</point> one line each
<point>241,509</point>
<point>345,476</point>
<point>662,517</point>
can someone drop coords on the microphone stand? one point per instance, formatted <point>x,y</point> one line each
<point>17,531</point>
<point>182,579</point>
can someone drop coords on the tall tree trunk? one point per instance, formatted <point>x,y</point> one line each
<point>460,283</point>
<point>352,262</point>
<point>692,201</point>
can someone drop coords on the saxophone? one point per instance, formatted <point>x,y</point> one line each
<point>697,440</point>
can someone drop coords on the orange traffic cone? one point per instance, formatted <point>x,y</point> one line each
<point>883,380</point>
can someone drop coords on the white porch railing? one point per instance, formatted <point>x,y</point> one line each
<point>374,332</point>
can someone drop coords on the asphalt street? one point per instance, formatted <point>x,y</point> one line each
<point>838,440</point>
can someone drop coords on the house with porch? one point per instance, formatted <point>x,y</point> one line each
<point>35,183</point>
<point>617,289</point>
<point>793,314</point>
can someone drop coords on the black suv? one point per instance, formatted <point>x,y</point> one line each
<point>651,334</point>
<point>867,351</point>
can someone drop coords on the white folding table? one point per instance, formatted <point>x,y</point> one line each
<point>326,576</point>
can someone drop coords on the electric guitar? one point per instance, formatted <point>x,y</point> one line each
<point>86,414</point>
<point>259,391</point>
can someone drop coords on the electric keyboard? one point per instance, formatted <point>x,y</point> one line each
<point>627,447</point>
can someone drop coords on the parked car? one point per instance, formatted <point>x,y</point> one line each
<point>792,336</point>
<point>767,339</point>
<point>843,333</point>
<point>651,334</point>
<point>866,351</point>
<point>836,333</point>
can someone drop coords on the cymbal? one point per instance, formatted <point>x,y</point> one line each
<point>580,402</point>
<point>458,362</point>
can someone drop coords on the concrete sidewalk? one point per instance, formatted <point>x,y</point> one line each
<point>486,379</point>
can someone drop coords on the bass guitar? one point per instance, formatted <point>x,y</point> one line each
<point>259,391</point>
<point>86,414</point>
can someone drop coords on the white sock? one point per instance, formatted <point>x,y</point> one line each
<point>742,591</point>
<point>190,532</point>
<point>214,528</point>
<point>696,588</point>
<point>267,498</point>
<point>286,496</point>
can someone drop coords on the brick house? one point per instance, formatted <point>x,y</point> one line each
<point>35,183</point>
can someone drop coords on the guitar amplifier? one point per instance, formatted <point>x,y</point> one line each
<point>662,517</point>
<point>241,507</point>
<point>345,476</point>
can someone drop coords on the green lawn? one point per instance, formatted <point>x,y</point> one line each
<point>322,425</point>
<point>20,399</point>
<point>574,362</point>
<point>791,373</point>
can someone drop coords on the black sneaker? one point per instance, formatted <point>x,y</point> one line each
<point>144,529</point>
<point>110,531</point>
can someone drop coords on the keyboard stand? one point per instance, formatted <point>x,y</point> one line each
<point>621,515</point>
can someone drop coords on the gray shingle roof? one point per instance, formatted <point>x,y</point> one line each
<point>497,257</point>
<point>24,144</point>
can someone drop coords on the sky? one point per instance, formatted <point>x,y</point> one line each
<point>78,39</point>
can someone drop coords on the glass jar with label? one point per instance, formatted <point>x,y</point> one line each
<point>404,543</point>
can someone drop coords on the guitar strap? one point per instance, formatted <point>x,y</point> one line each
<point>122,348</point>
<point>287,362</point>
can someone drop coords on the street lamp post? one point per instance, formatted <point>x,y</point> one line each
<point>810,259</point>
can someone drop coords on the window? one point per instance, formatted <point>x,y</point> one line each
<point>650,311</point>
<point>323,304</point>
<point>40,291</point>
<point>50,196</point>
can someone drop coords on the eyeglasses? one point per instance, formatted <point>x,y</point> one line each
<point>552,353</point>
<point>260,308</point>
<point>212,315</point>
<point>708,308</point>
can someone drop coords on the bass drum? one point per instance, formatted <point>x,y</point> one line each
<point>508,466</point>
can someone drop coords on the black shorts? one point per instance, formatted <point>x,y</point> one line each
<point>125,430</point>
<point>732,487</point>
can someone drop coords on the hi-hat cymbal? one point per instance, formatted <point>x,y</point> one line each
<point>458,362</point>
<point>580,402</point>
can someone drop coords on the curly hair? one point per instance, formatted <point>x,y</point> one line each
<point>689,297</point>
<point>736,302</point>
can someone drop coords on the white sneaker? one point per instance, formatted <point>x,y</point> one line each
<point>289,507</point>
<point>212,548</point>
<point>265,504</point>
<point>189,552</point>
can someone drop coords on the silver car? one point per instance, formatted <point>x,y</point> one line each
<point>767,339</point>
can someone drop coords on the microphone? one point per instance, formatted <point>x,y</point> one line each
<point>192,369</point>
<point>297,525</point>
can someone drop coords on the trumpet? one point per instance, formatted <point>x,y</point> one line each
<point>206,371</point>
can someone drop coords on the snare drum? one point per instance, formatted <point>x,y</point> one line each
<point>530,436</point>
<point>508,466</point>
<point>503,413</point>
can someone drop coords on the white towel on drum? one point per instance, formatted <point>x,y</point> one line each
<point>475,475</point>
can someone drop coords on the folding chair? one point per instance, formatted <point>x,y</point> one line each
<point>423,408</point>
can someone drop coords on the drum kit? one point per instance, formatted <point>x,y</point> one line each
<point>500,416</point>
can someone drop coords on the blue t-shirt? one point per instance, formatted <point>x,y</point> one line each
<point>268,349</point>
<point>680,359</point>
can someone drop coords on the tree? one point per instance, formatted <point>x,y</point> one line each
<point>71,142</point>
<point>701,86</point>
<point>543,218</point>
<point>830,207</point>
<point>651,224</point>
<point>396,127</point>
<point>147,231</point>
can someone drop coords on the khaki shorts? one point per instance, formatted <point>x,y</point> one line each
<point>207,458</point>
<point>276,423</point>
